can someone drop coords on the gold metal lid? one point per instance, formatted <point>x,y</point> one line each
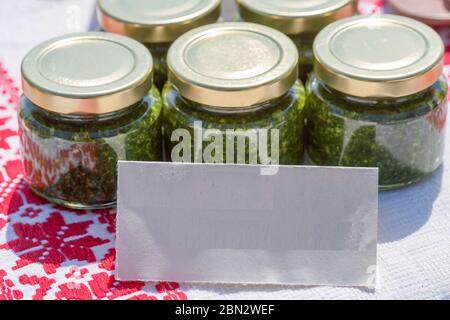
<point>378,56</point>
<point>156,21</point>
<point>296,17</point>
<point>87,73</point>
<point>233,64</point>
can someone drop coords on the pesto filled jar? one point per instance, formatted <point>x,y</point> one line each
<point>300,20</point>
<point>88,101</point>
<point>233,96</point>
<point>156,23</point>
<point>377,98</point>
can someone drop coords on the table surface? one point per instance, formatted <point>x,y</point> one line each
<point>48,252</point>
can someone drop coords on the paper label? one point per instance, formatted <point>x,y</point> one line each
<point>232,224</point>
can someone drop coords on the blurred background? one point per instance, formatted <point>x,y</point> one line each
<point>25,23</point>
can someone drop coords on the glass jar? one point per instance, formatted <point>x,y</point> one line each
<point>378,98</point>
<point>156,24</point>
<point>81,112</point>
<point>234,96</point>
<point>300,20</point>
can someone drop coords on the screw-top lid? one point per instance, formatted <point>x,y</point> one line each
<point>87,73</point>
<point>156,21</point>
<point>378,56</point>
<point>296,17</point>
<point>233,64</point>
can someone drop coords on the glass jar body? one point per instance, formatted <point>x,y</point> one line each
<point>72,160</point>
<point>304,44</point>
<point>267,133</point>
<point>159,53</point>
<point>403,137</point>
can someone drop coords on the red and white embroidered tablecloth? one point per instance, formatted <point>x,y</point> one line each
<point>49,252</point>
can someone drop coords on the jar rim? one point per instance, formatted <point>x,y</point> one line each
<point>155,22</point>
<point>87,73</point>
<point>233,64</point>
<point>378,56</point>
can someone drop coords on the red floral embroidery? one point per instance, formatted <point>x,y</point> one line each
<point>5,135</point>
<point>108,217</point>
<point>11,200</point>
<point>76,273</point>
<point>104,285</point>
<point>19,198</point>
<point>170,291</point>
<point>143,296</point>
<point>2,223</point>
<point>7,291</point>
<point>109,260</point>
<point>31,212</point>
<point>8,88</point>
<point>13,169</point>
<point>73,291</point>
<point>4,120</point>
<point>44,284</point>
<point>49,245</point>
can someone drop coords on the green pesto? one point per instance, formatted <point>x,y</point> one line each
<point>159,54</point>
<point>304,45</point>
<point>284,113</point>
<point>403,137</point>
<point>72,160</point>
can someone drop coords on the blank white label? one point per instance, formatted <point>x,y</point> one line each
<point>232,224</point>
